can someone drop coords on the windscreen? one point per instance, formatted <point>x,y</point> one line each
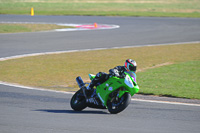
<point>133,75</point>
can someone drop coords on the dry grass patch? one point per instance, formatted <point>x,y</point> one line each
<point>59,71</point>
<point>25,27</point>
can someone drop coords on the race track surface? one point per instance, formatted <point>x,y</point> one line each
<point>24,110</point>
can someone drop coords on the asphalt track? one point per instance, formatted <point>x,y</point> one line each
<point>34,111</point>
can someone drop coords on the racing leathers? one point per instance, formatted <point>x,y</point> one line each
<point>101,77</point>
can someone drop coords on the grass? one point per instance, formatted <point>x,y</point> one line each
<point>170,8</point>
<point>178,74</point>
<point>177,80</point>
<point>16,28</point>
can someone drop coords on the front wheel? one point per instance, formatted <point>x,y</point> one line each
<point>78,101</point>
<point>116,105</point>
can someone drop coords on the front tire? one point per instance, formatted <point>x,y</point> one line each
<point>117,105</point>
<point>78,101</point>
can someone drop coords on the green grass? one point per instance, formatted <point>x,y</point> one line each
<point>170,8</point>
<point>162,70</point>
<point>16,28</point>
<point>177,80</point>
<point>13,28</point>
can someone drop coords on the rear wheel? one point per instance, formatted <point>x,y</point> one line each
<point>78,101</point>
<point>116,105</point>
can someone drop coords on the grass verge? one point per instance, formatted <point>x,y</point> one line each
<point>158,8</point>
<point>178,76</point>
<point>16,28</point>
<point>177,80</point>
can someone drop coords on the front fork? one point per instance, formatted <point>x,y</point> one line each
<point>117,94</point>
<point>121,92</point>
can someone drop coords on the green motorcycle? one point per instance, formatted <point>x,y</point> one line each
<point>114,94</point>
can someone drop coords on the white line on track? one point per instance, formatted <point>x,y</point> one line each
<point>32,88</point>
<point>133,99</point>
<point>165,102</point>
<point>69,51</point>
<point>78,26</point>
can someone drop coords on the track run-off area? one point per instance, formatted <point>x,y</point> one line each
<point>26,109</point>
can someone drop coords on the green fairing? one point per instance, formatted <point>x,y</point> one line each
<point>113,83</point>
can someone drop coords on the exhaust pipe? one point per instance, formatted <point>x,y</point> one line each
<point>81,85</point>
<point>80,82</point>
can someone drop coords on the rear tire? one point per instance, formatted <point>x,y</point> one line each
<point>116,106</point>
<point>78,101</point>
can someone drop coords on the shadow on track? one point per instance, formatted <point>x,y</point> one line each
<point>72,111</point>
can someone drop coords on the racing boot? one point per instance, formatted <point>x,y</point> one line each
<point>93,82</point>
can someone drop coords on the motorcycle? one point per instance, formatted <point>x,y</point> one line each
<point>114,94</point>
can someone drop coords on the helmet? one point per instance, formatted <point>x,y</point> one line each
<point>130,65</point>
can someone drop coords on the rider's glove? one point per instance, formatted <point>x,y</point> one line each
<point>114,72</point>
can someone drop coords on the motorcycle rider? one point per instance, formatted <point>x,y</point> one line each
<point>118,71</point>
